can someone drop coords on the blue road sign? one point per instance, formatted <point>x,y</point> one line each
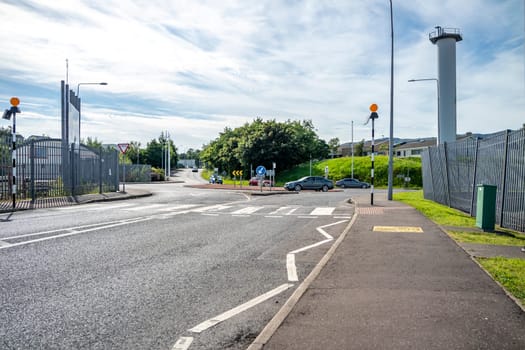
<point>260,170</point>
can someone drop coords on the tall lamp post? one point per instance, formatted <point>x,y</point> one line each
<point>79,106</point>
<point>437,91</point>
<point>391,138</point>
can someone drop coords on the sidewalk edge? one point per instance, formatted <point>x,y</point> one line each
<point>473,258</point>
<point>283,313</point>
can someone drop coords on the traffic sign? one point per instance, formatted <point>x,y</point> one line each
<point>123,147</point>
<point>237,173</point>
<point>260,170</point>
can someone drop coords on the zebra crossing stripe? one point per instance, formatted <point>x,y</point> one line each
<point>247,210</point>
<point>217,207</point>
<point>178,207</point>
<point>151,206</point>
<point>322,211</point>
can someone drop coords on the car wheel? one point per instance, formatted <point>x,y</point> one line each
<point>364,186</point>
<point>297,188</point>
<point>325,188</point>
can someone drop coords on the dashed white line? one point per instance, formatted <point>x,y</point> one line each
<point>241,308</point>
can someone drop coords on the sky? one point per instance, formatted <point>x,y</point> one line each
<point>192,68</point>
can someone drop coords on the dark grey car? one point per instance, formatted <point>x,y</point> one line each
<point>351,183</point>
<point>317,183</point>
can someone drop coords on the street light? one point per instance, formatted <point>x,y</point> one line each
<point>79,105</point>
<point>391,136</point>
<point>78,86</point>
<point>437,91</point>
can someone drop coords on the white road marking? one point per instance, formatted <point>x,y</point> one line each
<point>273,216</point>
<point>241,308</point>
<point>94,207</point>
<point>72,231</point>
<point>290,268</point>
<point>108,207</point>
<point>292,211</point>
<point>290,257</point>
<point>307,217</point>
<point>178,207</point>
<point>183,343</point>
<point>322,211</point>
<point>210,214</point>
<point>311,246</point>
<point>217,207</point>
<point>144,207</point>
<point>342,217</point>
<point>284,210</point>
<point>247,210</point>
<point>4,244</point>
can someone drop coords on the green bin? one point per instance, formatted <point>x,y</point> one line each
<point>486,207</point>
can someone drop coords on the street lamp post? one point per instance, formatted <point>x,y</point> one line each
<point>437,91</point>
<point>391,138</point>
<point>352,139</point>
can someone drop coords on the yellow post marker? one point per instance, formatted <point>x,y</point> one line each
<point>373,108</point>
<point>15,101</point>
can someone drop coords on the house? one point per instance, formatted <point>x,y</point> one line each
<point>414,148</point>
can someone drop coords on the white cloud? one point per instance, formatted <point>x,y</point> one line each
<point>195,67</point>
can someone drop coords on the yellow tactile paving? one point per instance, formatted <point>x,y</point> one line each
<point>414,229</point>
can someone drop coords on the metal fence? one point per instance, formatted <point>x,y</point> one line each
<point>46,169</point>
<point>135,173</point>
<point>451,173</point>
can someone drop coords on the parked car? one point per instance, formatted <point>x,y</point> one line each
<point>216,179</point>
<point>194,169</point>
<point>254,181</point>
<point>351,183</point>
<point>317,183</point>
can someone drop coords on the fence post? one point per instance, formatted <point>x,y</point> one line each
<point>72,168</point>
<point>474,188</point>
<point>32,170</point>
<point>503,178</point>
<point>100,170</point>
<point>446,173</point>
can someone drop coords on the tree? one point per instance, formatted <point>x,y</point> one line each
<point>334,145</point>
<point>92,142</point>
<point>154,154</point>
<point>262,143</point>
<point>359,148</point>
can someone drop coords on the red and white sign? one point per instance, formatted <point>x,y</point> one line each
<point>123,147</point>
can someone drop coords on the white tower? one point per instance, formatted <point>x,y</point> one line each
<point>446,39</point>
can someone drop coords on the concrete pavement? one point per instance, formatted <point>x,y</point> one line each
<point>396,281</point>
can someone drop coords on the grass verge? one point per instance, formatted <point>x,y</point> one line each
<point>510,273</point>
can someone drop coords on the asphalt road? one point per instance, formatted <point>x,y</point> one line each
<point>171,271</point>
